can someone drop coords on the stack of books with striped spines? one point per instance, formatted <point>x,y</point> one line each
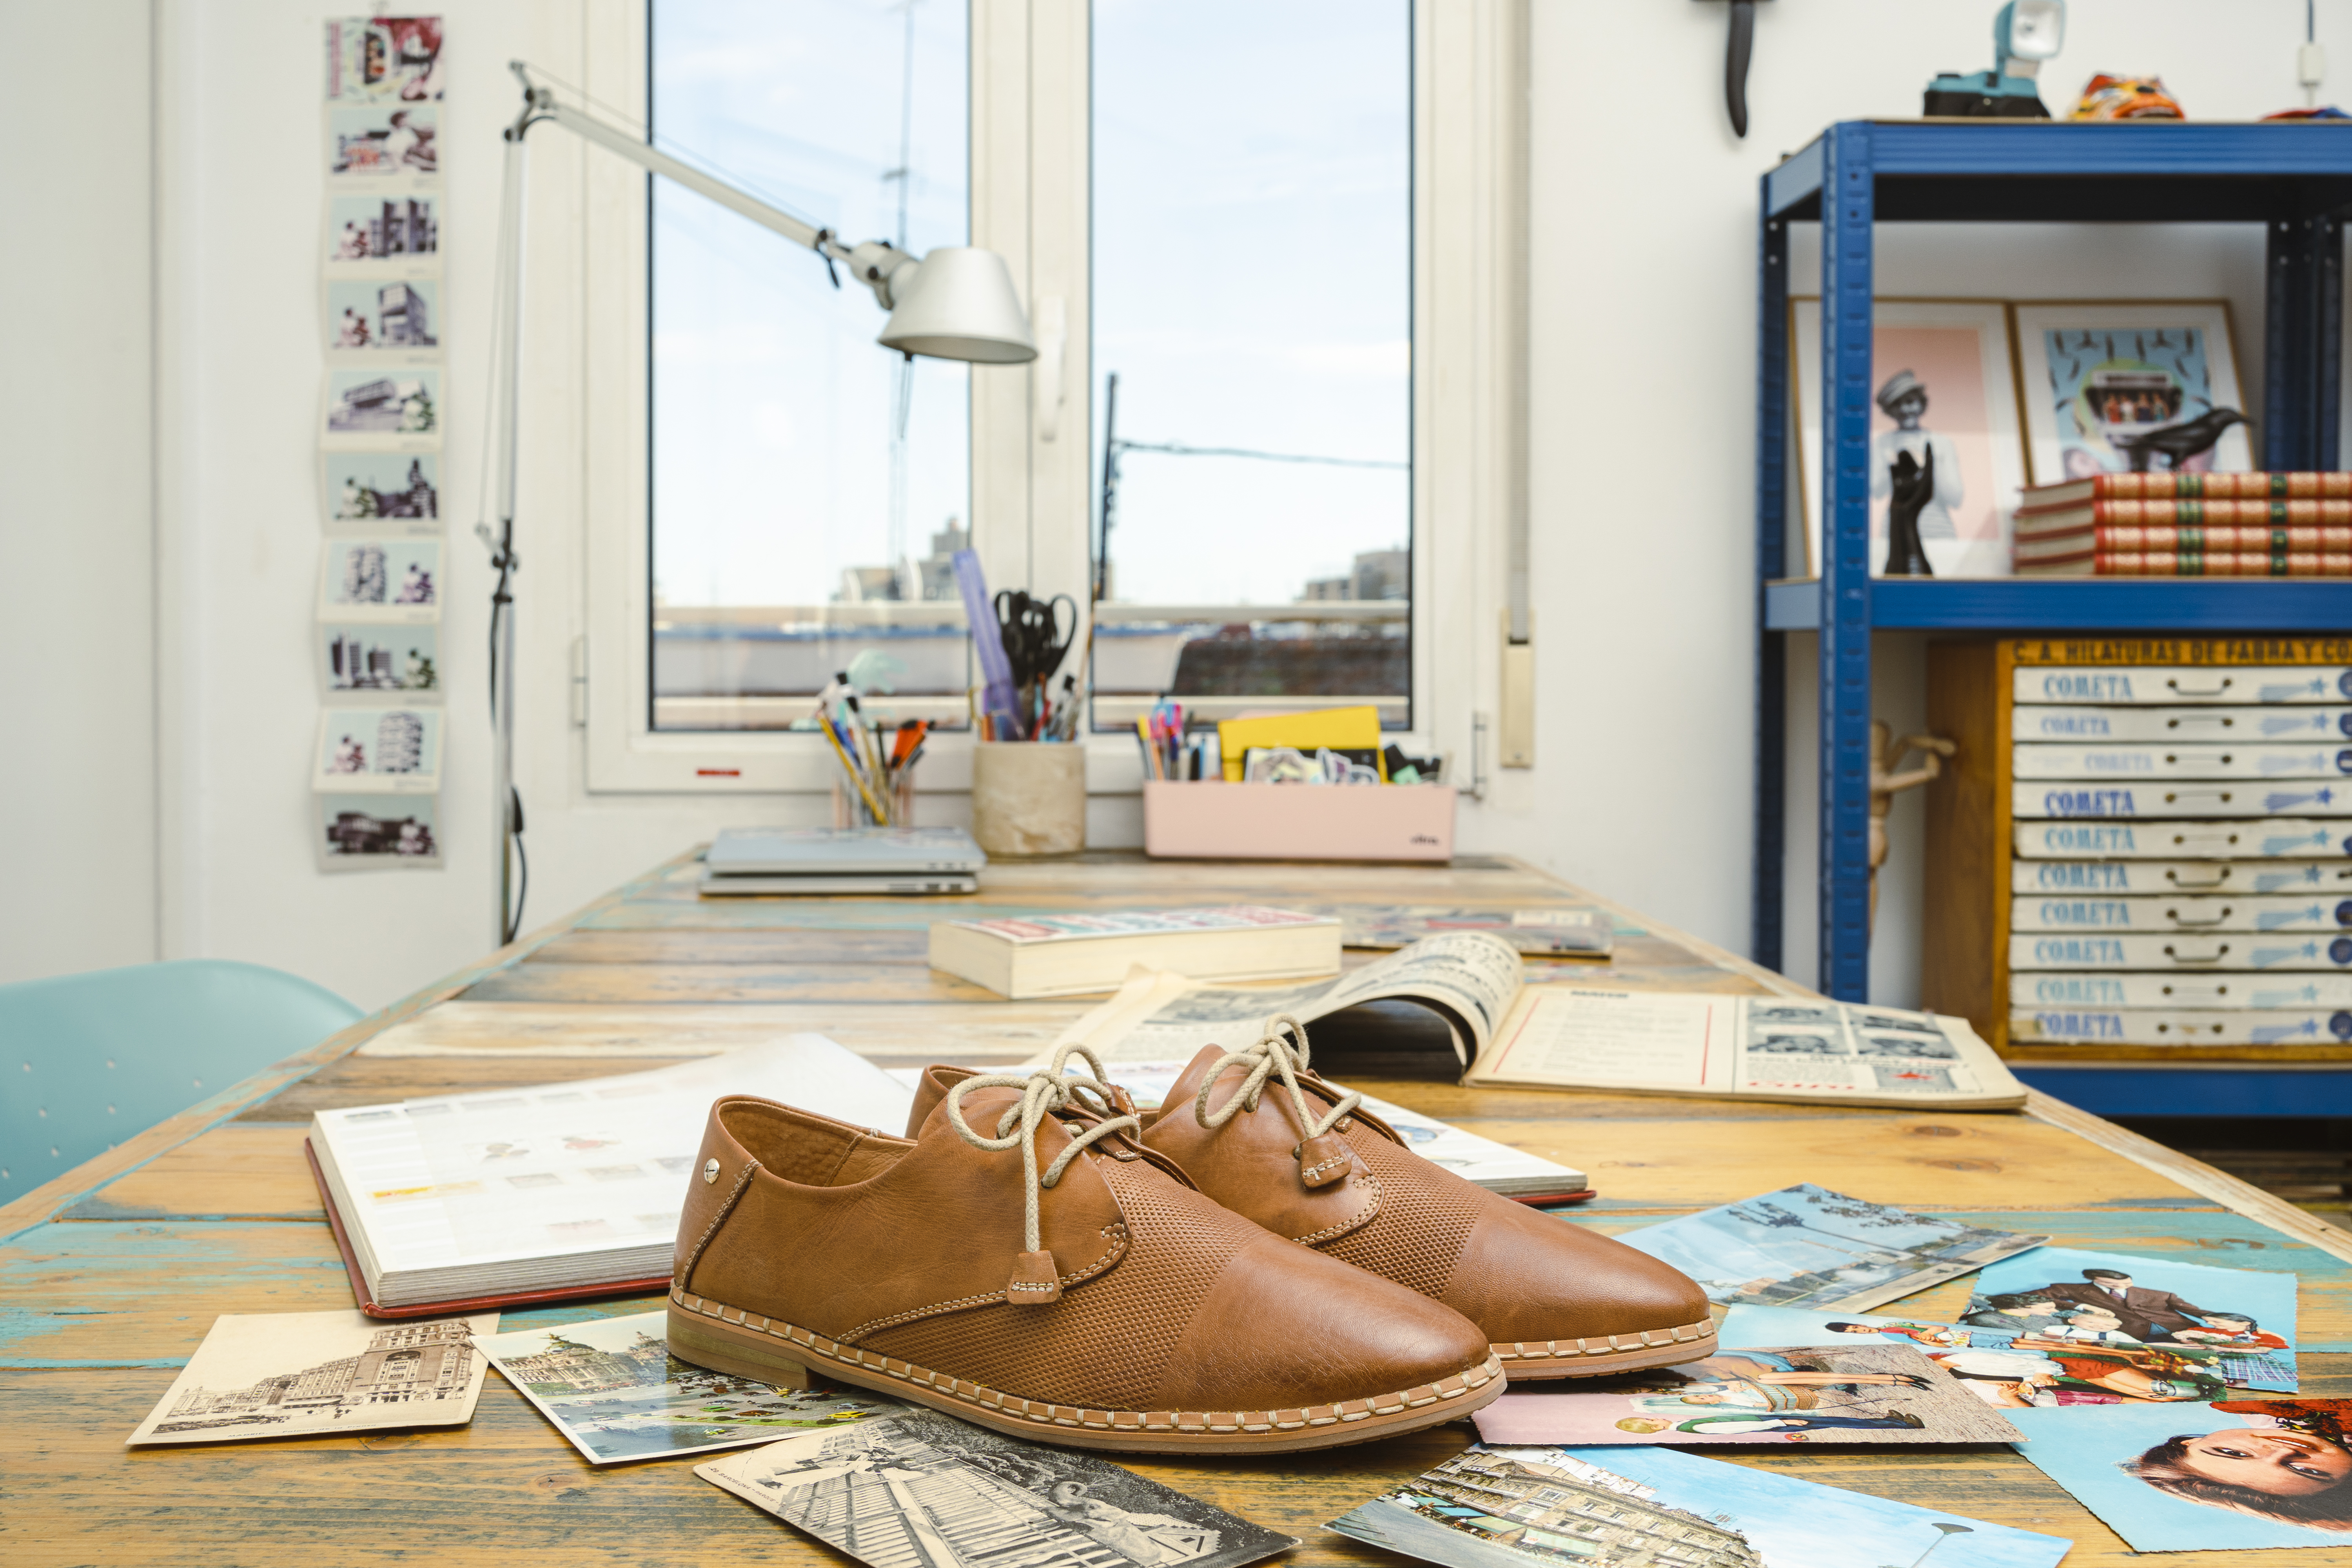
<point>2188,525</point>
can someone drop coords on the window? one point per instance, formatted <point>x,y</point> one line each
<point>1253,352</point>
<point>1281,228</point>
<point>807,487</point>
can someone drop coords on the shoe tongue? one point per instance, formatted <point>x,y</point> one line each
<point>982,1109</point>
<point>1187,1086</point>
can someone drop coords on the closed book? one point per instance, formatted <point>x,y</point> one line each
<point>2284,485</point>
<point>2041,520</point>
<point>2184,540</point>
<point>2185,563</point>
<point>1069,955</point>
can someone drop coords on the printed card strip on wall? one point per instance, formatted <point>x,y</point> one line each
<point>376,765</point>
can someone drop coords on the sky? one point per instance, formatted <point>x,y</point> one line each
<point>1252,277</point>
<point>1803,1524</point>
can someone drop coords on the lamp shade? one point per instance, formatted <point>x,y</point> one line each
<point>958,304</point>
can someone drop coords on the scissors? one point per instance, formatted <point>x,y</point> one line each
<point>1035,641</point>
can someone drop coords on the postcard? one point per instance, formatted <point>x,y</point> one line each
<point>1631,1508</point>
<point>384,234</point>
<point>1554,930</point>
<point>384,58</point>
<point>384,140</point>
<point>2238,1473</point>
<point>275,1374</point>
<point>379,660</point>
<point>381,579</point>
<point>378,751</point>
<point>1864,1393</point>
<point>2106,1297</point>
<point>363,832</point>
<point>380,492</point>
<point>612,1387</point>
<point>2014,1368</point>
<point>982,1498</point>
<point>385,320</point>
<point>1808,1246</point>
<point>384,408</point>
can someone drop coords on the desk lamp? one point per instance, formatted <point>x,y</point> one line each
<point>954,303</point>
<point>2026,33</point>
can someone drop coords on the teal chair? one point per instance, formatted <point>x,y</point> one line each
<point>91,1060</point>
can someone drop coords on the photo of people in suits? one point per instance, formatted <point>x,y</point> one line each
<point>2105,1298</point>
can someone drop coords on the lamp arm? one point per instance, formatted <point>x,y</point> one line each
<point>874,263</point>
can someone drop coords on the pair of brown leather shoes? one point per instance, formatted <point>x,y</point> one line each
<point>1260,1265</point>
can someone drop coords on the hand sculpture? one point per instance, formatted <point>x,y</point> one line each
<point>1912,486</point>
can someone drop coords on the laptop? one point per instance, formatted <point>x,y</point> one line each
<point>752,861</point>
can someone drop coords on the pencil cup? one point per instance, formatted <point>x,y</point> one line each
<point>850,810</point>
<point>1028,797</point>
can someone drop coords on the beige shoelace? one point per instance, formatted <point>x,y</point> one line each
<point>1273,1054</point>
<point>1043,1092</point>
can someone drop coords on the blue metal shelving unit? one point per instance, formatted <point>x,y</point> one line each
<point>2296,179</point>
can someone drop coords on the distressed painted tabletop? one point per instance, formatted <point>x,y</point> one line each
<point>109,1275</point>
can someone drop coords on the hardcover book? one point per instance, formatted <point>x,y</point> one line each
<point>1070,954</point>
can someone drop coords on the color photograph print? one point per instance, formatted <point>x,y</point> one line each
<point>2112,1297</point>
<point>2134,386</point>
<point>381,581</point>
<point>1808,1246</point>
<point>385,320</point>
<point>1943,394</point>
<point>2012,1368</point>
<point>613,1389</point>
<point>985,1498</point>
<point>1613,1508</point>
<point>391,409</point>
<point>276,1374</point>
<point>381,491</point>
<point>375,234</point>
<point>400,662</point>
<point>2233,1475</point>
<point>379,59</point>
<point>364,833</point>
<point>378,751</point>
<point>379,142</point>
<point>1864,1393</point>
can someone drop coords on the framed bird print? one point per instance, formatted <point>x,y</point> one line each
<point>1947,453</point>
<point>2130,386</point>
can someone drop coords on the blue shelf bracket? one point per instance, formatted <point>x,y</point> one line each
<point>2302,342</point>
<point>1848,201</point>
<point>1771,558</point>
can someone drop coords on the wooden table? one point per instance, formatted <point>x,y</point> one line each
<point>110,1275</point>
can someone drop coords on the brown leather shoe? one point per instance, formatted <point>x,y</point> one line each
<point>1273,1141</point>
<point>1077,1292</point>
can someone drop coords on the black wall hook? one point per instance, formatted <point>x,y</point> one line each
<point>1735,56</point>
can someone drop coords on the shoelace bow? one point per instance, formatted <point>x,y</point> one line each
<point>1035,1277</point>
<point>1322,1158</point>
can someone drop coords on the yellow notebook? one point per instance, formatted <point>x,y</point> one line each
<point>1342,729</point>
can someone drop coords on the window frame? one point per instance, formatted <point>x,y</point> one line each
<point>1032,480</point>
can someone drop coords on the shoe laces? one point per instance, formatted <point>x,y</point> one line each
<point>1274,1054</point>
<point>1045,1091</point>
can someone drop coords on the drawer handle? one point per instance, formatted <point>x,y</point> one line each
<point>2177,957</point>
<point>2193,921</point>
<point>2201,690</point>
<point>2215,880</point>
<point>2218,721</point>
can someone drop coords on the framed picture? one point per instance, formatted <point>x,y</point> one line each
<point>1943,393</point>
<point>2098,377</point>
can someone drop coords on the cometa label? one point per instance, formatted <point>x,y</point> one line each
<point>2091,990</point>
<point>2087,685</point>
<point>2085,912</point>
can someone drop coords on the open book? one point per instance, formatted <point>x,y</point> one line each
<point>1562,1035</point>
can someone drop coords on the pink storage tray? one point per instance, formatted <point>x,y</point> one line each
<point>1208,821</point>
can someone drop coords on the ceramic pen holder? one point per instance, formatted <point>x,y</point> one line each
<point>1028,798</point>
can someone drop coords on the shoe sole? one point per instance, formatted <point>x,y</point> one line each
<point>745,1344</point>
<point>1538,1361</point>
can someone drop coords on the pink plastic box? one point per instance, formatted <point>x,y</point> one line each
<point>1207,821</point>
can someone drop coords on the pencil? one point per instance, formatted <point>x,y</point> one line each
<point>855,777</point>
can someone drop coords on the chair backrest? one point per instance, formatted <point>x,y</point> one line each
<point>88,1060</point>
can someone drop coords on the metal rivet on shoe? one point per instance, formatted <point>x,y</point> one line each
<point>709,1172</point>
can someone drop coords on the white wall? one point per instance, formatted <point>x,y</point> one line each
<point>1642,333</point>
<point>78,862</point>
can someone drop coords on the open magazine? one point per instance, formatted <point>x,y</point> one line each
<point>1570,1036</point>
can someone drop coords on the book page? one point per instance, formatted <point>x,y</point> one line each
<point>1836,1049</point>
<point>1618,1038</point>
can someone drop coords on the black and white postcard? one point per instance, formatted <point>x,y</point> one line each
<point>369,832</point>
<point>984,1497</point>
<point>381,579</point>
<point>273,1374</point>
<point>378,751</point>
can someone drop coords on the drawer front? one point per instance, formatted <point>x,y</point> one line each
<point>2041,990</point>
<point>2263,840</point>
<point>2153,686</point>
<point>2141,914</point>
<point>2099,724</point>
<point>2158,1026</point>
<point>2132,802</point>
<point>2180,760</point>
<point>2181,951</point>
<point>2079,879</point>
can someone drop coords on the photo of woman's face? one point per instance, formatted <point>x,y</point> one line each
<point>2282,1463</point>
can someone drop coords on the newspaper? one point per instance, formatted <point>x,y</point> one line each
<point>1469,978</point>
<point>1765,1047</point>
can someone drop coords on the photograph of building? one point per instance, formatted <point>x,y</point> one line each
<point>406,1363</point>
<point>1570,1511</point>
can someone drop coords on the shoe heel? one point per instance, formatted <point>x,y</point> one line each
<point>738,1351</point>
